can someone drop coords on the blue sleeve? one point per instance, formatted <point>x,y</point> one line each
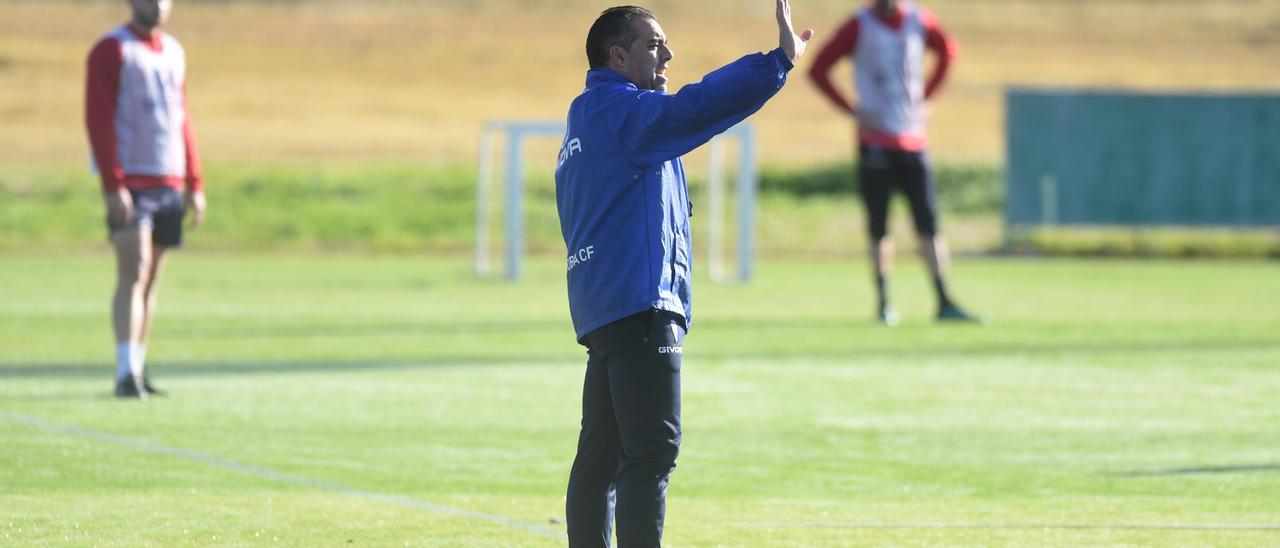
<point>661,127</point>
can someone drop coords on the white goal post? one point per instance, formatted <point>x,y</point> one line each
<point>515,133</point>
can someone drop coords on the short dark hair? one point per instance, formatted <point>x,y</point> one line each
<point>612,28</point>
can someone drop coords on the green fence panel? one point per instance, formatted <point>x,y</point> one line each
<point>1093,157</point>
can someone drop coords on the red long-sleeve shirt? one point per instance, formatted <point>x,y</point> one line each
<point>845,43</point>
<point>102,94</point>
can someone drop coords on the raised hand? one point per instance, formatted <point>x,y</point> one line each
<point>791,44</point>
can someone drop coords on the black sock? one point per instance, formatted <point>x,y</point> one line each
<point>940,285</point>
<point>882,291</point>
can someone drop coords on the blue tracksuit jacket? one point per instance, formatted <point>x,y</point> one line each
<point>620,186</point>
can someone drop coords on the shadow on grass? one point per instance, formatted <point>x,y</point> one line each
<point>1200,470</point>
<point>369,329</point>
<point>105,394</point>
<point>754,339</point>
<point>234,369</point>
<point>862,335</point>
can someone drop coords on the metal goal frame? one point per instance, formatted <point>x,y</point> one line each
<point>514,135</point>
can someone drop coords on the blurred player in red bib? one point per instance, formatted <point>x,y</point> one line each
<point>887,41</point>
<point>145,152</point>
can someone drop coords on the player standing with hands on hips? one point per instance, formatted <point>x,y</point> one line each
<point>886,42</point>
<point>624,215</point>
<point>145,152</point>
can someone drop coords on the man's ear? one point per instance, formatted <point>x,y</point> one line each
<point>618,56</point>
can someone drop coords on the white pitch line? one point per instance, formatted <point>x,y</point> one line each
<point>269,474</point>
<point>1015,525</point>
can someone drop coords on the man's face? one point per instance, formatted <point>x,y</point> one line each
<point>886,6</point>
<point>645,61</point>
<point>151,13</point>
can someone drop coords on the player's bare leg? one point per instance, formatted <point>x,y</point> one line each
<point>159,253</point>
<point>934,251</point>
<point>133,252</point>
<point>882,264</point>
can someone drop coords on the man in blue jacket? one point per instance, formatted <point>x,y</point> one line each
<point>624,215</point>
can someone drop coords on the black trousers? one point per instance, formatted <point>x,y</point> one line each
<point>630,431</point>
<point>880,171</point>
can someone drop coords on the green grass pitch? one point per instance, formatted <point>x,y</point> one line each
<point>341,400</point>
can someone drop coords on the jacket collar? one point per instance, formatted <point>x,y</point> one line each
<point>602,75</point>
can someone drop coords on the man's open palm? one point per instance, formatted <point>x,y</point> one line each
<point>791,44</point>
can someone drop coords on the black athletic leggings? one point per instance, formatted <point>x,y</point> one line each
<point>630,431</point>
<point>880,171</point>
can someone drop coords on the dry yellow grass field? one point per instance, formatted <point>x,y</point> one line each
<point>395,81</point>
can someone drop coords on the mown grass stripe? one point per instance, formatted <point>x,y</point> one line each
<point>274,475</point>
<point>1022,525</point>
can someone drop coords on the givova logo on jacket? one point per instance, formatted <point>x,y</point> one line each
<point>567,151</point>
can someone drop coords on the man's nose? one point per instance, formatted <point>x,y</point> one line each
<point>670,53</point>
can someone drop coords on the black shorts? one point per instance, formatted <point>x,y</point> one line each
<point>159,210</point>
<point>880,171</point>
